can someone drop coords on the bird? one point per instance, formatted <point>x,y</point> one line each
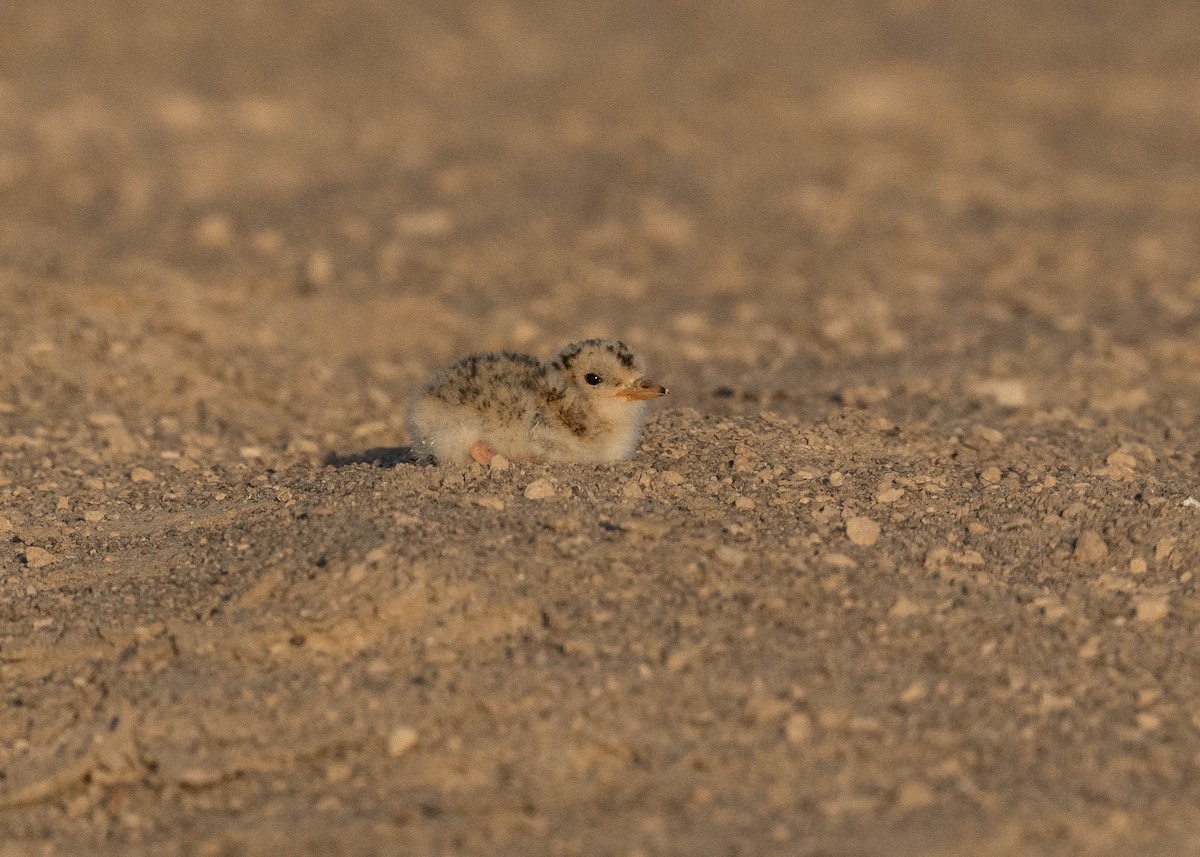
<point>584,405</point>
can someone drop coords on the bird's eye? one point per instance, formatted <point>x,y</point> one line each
<point>592,378</point>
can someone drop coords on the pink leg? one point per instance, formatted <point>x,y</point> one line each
<point>482,453</point>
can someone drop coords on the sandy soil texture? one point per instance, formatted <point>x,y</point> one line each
<point>905,565</point>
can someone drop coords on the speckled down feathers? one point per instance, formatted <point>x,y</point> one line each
<point>526,409</point>
<point>567,357</point>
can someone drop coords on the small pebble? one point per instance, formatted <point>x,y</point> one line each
<point>1151,608</point>
<point>539,489</point>
<point>36,557</point>
<point>904,607</point>
<point>499,462</point>
<point>269,242</point>
<point>731,556</point>
<point>1007,393</point>
<point>1090,547</point>
<point>5,525</point>
<point>889,495</point>
<point>401,741</point>
<point>430,223</point>
<point>862,531</point>
<point>914,795</point>
<point>141,474</point>
<point>1090,649</point>
<point>679,660</point>
<point>798,728</point>
<point>1121,460</point>
<point>214,231</point>
<point>1148,722</point>
<point>990,475</point>
<point>318,270</point>
<point>981,436</point>
<point>199,777</point>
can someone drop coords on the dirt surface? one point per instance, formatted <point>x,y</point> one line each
<point>904,565</point>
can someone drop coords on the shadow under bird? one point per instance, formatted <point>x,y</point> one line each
<point>586,404</point>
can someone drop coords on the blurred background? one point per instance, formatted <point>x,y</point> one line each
<point>303,207</point>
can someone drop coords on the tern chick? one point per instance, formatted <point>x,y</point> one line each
<point>586,404</point>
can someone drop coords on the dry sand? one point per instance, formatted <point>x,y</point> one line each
<point>905,564</point>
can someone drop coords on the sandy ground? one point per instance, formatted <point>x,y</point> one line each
<point>905,565</point>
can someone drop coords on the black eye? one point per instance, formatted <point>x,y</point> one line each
<point>592,378</point>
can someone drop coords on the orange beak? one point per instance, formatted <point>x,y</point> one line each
<point>640,390</point>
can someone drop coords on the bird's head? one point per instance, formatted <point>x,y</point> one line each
<point>606,372</point>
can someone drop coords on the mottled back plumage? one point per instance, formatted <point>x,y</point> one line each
<point>585,404</point>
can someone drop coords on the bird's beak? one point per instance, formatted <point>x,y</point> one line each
<point>639,390</point>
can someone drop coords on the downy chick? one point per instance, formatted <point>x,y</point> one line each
<point>587,404</point>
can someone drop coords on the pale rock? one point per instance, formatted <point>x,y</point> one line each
<point>402,739</point>
<point>1090,547</point>
<point>539,489</point>
<point>1090,650</point>
<point>1151,608</point>
<point>1008,393</point>
<point>798,728</point>
<point>914,794</point>
<point>862,531</point>
<point>980,436</point>
<point>36,557</point>
<point>318,270</point>
<point>904,608</point>
<point>1121,460</point>
<point>113,434</point>
<point>731,556</point>
<point>1147,722</point>
<point>214,231</point>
